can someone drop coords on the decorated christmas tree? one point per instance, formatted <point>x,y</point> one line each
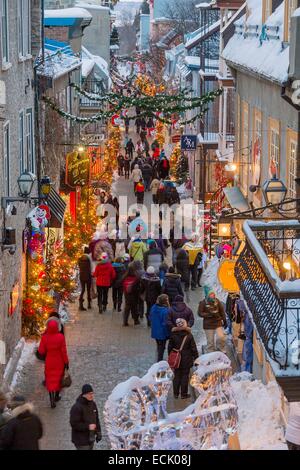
<point>174,160</point>
<point>182,169</point>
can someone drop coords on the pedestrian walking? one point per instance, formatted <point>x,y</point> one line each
<point>105,275</point>
<point>127,124</point>
<point>53,348</point>
<point>130,148</point>
<point>214,320</point>
<point>172,286</point>
<point>154,188</point>
<point>137,249</point>
<point>292,433</point>
<point>85,277</point>
<point>143,124</point>
<point>139,271</point>
<point>140,192</point>
<point>147,175</point>
<point>182,339</point>
<point>24,429</point>
<point>153,257</point>
<point>179,309</point>
<point>150,126</point>
<point>163,168</point>
<point>138,124</point>
<point>84,420</point>
<point>121,163</point>
<point>150,289</point>
<point>117,288</point>
<point>194,250</point>
<point>156,153</point>
<point>136,176</point>
<point>158,320</point>
<point>131,290</point>
<point>56,317</point>
<point>126,166</point>
<point>183,267</point>
<point>139,148</point>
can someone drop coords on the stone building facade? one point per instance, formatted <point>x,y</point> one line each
<point>20,43</point>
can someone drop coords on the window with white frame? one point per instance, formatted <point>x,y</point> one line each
<point>6,159</point>
<point>292,165</point>
<point>4,31</point>
<point>29,135</point>
<point>275,149</point>
<point>24,28</point>
<point>21,142</point>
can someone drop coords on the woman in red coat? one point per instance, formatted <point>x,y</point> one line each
<point>105,274</point>
<point>53,346</point>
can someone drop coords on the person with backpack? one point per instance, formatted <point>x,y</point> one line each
<point>183,341</point>
<point>150,289</point>
<point>172,285</point>
<point>130,148</point>
<point>140,192</point>
<point>137,249</point>
<point>131,290</point>
<point>105,275</point>
<point>117,288</point>
<point>158,320</point>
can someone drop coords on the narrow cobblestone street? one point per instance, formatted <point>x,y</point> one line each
<point>102,353</point>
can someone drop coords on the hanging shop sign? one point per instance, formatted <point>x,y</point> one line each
<point>14,298</point>
<point>227,277</point>
<point>256,162</point>
<point>189,142</point>
<point>78,169</point>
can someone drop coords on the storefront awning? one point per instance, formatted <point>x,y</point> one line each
<point>57,209</point>
<point>236,199</point>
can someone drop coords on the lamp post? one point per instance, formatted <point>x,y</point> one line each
<point>274,191</point>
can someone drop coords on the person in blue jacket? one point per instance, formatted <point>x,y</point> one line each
<point>159,329</point>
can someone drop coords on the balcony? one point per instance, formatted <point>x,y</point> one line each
<point>92,87</point>
<point>272,295</point>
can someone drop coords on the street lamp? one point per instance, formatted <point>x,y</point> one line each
<point>224,228</point>
<point>25,183</point>
<point>274,191</point>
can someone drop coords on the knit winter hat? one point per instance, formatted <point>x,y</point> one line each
<point>150,270</point>
<point>87,388</point>
<point>207,291</point>
<point>178,298</point>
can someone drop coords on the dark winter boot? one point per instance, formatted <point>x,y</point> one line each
<point>57,396</point>
<point>115,306</point>
<point>81,307</point>
<point>120,308</point>
<point>89,305</point>
<point>52,399</point>
<point>104,308</point>
<point>100,309</point>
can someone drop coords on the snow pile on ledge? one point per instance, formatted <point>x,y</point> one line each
<point>260,426</point>
<point>27,357</point>
<point>210,278</point>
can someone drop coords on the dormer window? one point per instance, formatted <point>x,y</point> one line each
<point>266,10</point>
<point>289,7</point>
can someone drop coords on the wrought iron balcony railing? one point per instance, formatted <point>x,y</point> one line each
<point>274,303</point>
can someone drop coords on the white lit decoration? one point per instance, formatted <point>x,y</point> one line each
<point>136,416</point>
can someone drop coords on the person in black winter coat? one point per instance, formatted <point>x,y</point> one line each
<point>84,420</point>
<point>85,276</point>
<point>180,310</point>
<point>24,430</point>
<point>151,289</point>
<point>172,285</point>
<point>189,354</point>
<point>183,267</point>
<point>147,175</point>
<point>117,288</point>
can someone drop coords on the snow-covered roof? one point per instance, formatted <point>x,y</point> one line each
<point>68,13</point>
<point>59,59</point>
<point>91,6</point>
<point>89,61</point>
<point>194,38</point>
<point>258,48</point>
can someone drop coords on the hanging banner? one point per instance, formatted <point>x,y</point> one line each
<point>78,169</point>
<point>227,277</point>
<point>256,162</point>
<point>189,142</point>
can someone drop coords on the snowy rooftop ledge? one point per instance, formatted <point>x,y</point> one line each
<point>283,288</point>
